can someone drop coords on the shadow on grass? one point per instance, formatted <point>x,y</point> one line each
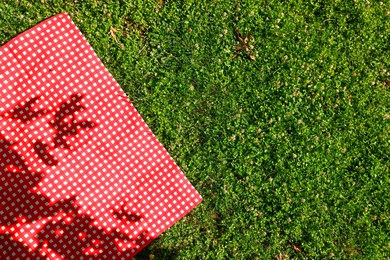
<point>155,253</point>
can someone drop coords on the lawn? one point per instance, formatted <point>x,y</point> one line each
<point>287,138</point>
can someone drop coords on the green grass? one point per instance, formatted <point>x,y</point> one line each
<point>289,150</point>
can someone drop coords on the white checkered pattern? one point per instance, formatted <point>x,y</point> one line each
<point>83,164</point>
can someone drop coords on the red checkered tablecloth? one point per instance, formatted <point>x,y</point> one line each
<point>81,174</point>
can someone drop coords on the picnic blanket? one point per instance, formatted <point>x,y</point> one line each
<point>81,174</point>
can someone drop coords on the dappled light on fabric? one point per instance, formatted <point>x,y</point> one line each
<point>52,227</point>
<point>81,174</point>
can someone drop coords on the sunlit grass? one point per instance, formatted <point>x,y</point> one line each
<point>290,150</point>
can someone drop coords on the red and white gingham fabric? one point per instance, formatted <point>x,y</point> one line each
<point>81,174</point>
